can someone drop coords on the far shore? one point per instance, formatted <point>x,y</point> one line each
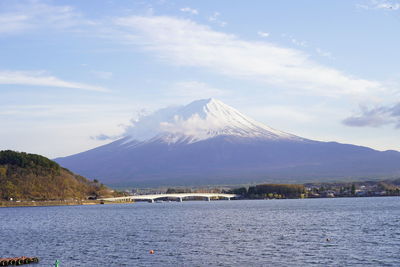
<point>5,204</point>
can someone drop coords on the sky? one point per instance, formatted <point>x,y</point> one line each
<point>74,74</point>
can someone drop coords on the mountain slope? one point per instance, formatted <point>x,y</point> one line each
<point>26,176</point>
<point>208,142</point>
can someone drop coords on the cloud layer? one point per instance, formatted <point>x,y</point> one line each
<point>40,78</point>
<point>381,4</point>
<point>189,10</point>
<point>30,15</point>
<point>186,43</point>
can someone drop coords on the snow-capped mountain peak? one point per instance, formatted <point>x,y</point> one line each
<point>200,120</point>
<point>181,146</point>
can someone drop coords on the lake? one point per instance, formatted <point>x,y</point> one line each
<point>309,232</point>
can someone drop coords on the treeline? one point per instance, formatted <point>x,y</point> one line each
<point>26,160</point>
<point>26,176</point>
<point>262,191</point>
<point>178,190</point>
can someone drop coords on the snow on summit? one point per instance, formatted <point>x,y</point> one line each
<point>199,120</point>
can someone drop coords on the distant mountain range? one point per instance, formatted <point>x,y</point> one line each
<point>209,142</point>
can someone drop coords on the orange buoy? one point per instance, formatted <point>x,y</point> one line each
<point>151,251</point>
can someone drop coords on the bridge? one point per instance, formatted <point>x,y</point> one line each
<point>178,196</point>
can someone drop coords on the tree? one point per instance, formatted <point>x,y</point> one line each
<point>353,189</point>
<point>240,191</point>
<point>10,190</point>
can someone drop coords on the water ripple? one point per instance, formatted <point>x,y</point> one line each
<point>313,232</point>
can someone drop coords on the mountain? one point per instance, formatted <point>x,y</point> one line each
<point>26,176</point>
<point>209,142</point>
<point>198,121</point>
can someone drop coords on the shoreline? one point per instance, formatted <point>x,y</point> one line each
<point>13,204</point>
<point>10,204</point>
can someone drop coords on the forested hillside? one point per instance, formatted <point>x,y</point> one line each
<point>26,176</point>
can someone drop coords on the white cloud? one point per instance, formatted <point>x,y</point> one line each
<point>390,6</point>
<point>189,10</point>
<point>195,125</point>
<point>30,15</point>
<point>40,78</point>
<point>10,23</point>
<point>299,42</point>
<point>323,53</point>
<point>104,137</point>
<point>65,110</point>
<point>214,18</point>
<point>294,41</point>
<point>362,6</point>
<point>263,34</point>
<point>380,4</point>
<point>186,43</point>
<point>283,113</point>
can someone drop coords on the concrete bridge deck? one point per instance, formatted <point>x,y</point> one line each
<point>178,196</point>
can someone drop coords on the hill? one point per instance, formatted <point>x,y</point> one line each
<point>209,142</point>
<point>26,176</point>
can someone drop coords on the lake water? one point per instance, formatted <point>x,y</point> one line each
<point>361,231</point>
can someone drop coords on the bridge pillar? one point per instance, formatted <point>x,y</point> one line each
<point>180,199</point>
<point>208,199</point>
<point>151,200</point>
<point>229,198</point>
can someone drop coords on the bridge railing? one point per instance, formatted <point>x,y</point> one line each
<point>178,196</point>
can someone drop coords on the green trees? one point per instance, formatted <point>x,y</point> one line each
<point>33,177</point>
<point>9,190</point>
<point>178,190</point>
<point>24,160</point>
<point>353,189</point>
<point>3,171</point>
<point>277,190</point>
<point>240,191</point>
<point>271,191</point>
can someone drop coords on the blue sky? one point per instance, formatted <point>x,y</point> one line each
<point>74,71</point>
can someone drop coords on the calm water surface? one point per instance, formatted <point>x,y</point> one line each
<point>362,231</point>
